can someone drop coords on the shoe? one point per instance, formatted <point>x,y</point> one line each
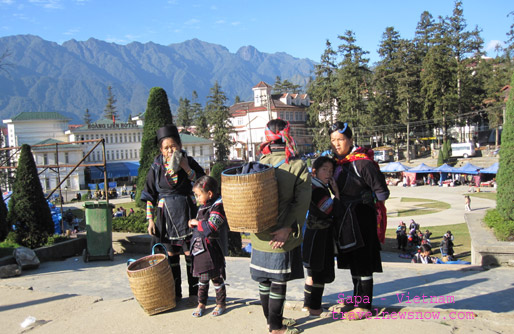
<point>198,312</point>
<point>218,310</point>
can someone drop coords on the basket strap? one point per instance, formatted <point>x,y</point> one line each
<point>163,247</point>
<point>278,164</point>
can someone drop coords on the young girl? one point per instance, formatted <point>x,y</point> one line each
<point>208,259</point>
<point>467,203</point>
<point>318,244</point>
<point>423,255</point>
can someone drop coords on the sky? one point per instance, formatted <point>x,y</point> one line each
<point>299,28</point>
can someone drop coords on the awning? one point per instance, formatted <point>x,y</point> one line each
<point>467,169</point>
<point>493,169</point>
<point>115,170</point>
<point>394,167</point>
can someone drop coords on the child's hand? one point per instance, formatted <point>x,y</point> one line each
<point>333,186</point>
<point>193,223</point>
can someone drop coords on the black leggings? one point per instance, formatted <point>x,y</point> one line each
<point>273,296</point>
<point>219,286</point>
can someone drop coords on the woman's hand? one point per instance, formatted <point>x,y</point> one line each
<point>184,164</point>
<point>151,227</point>
<point>192,223</point>
<point>279,237</point>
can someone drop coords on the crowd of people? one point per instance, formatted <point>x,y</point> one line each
<point>418,242</point>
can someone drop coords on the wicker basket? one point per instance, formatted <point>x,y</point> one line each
<point>152,283</point>
<point>250,200</point>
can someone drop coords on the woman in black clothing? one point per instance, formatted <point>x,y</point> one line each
<point>362,190</point>
<point>169,205</point>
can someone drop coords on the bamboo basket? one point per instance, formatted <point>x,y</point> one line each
<point>152,283</point>
<point>250,200</point>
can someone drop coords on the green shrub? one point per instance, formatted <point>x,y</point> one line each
<point>135,223</point>
<point>503,229</point>
<point>55,239</point>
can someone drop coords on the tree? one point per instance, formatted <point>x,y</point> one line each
<point>200,119</point>
<point>184,113</point>
<point>322,91</point>
<point>425,34</point>
<point>505,196</point>
<point>4,225</point>
<point>87,117</point>
<point>157,115</point>
<point>28,208</point>
<point>353,81</point>
<point>218,118</point>
<point>110,108</point>
<point>3,63</point>
<point>465,46</point>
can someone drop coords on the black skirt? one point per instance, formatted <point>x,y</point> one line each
<point>365,260</point>
<point>318,254</point>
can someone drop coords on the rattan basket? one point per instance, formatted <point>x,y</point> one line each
<point>250,200</point>
<point>152,283</point>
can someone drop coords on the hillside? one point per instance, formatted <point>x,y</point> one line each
<point>45,76</point>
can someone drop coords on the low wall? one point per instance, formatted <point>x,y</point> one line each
<point>486,250</point>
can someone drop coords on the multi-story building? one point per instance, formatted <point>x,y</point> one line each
<point>249,120</point>
<point>122,148</point>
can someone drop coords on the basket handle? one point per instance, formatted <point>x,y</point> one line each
<point>163,247</point>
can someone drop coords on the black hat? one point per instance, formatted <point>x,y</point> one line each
<point>168,131</point>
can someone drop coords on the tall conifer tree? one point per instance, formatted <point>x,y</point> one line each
<point>157,115</point>
<point>28,208</point>
<point>218,116</point>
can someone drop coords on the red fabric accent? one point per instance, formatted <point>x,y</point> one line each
<point>200,227</point>
<point>320,205</point>
<point>381,220</point>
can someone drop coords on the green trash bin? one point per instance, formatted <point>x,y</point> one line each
<point>99,231</point>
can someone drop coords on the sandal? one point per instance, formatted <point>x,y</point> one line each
<point>198,312</point>
<point>288,322</point>
<point>218,310</point>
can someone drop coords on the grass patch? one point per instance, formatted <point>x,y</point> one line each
<point>7,247</point>
<point>503,229</point>
<point>462,240</point>
<point>424,207</point>
<point>486,195</point>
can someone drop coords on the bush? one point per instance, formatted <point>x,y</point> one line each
<point>55,239</point>
<point>503,229</point>
<point>135,223</point>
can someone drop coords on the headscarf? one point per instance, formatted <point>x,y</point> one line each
<point>284,134</point>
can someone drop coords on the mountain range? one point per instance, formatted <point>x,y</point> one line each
<point>39,75</point>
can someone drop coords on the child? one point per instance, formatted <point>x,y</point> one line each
<point>401,235</point>
<point>423,255</point>
<point>446,247</point>
<point>318,245</point>
<point>467,202</point>
<point>426,238</point>
<point>208,259</point>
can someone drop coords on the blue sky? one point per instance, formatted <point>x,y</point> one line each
<point>299,28</point>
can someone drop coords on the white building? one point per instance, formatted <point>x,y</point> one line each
<point>249,120</point>
<point>122,148</point>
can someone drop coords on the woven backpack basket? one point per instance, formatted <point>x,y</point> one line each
<point>250,200</point>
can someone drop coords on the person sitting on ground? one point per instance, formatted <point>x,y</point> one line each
<point>426,238</point>
<point>423,255</point>
<point>447,245</point>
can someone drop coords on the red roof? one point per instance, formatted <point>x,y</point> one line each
<point>262,84</point>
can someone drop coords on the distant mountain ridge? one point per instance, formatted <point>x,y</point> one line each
<point>45,76</point>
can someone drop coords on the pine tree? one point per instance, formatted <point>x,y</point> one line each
<point>184,113</point>
<point>110,108</point>
<point>87,117</point>
<point>218,117</point>
<point>505,196</point>
<point>4,225</point>
<point>277,86</point>
<point>157,115</point>
<point>353,80</point>
<point>200,119</point>
<point>28,208</point>
<point>322,91</point>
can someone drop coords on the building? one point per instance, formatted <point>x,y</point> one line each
<point>122,148</point>
<point>249,120</point>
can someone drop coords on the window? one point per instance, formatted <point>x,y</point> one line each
<point>45,159</point>
<point>47,183</point>
<point>117,155</point>
<point>193,151</point>
<point>201,150</point>
<point>108,155</point>
<point>125,136</point>
<point>66,158</point>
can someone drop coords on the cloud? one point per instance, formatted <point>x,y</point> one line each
<point>115,40</point>
<point>213,7</point>
<point>236,23</point>
<point>492,45</point>
<point>81,2</point>
<point>7,2</point>
<point>49,4</point>
<point>220,22</point>
<point>71,32</point>
<point>192,22</point>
